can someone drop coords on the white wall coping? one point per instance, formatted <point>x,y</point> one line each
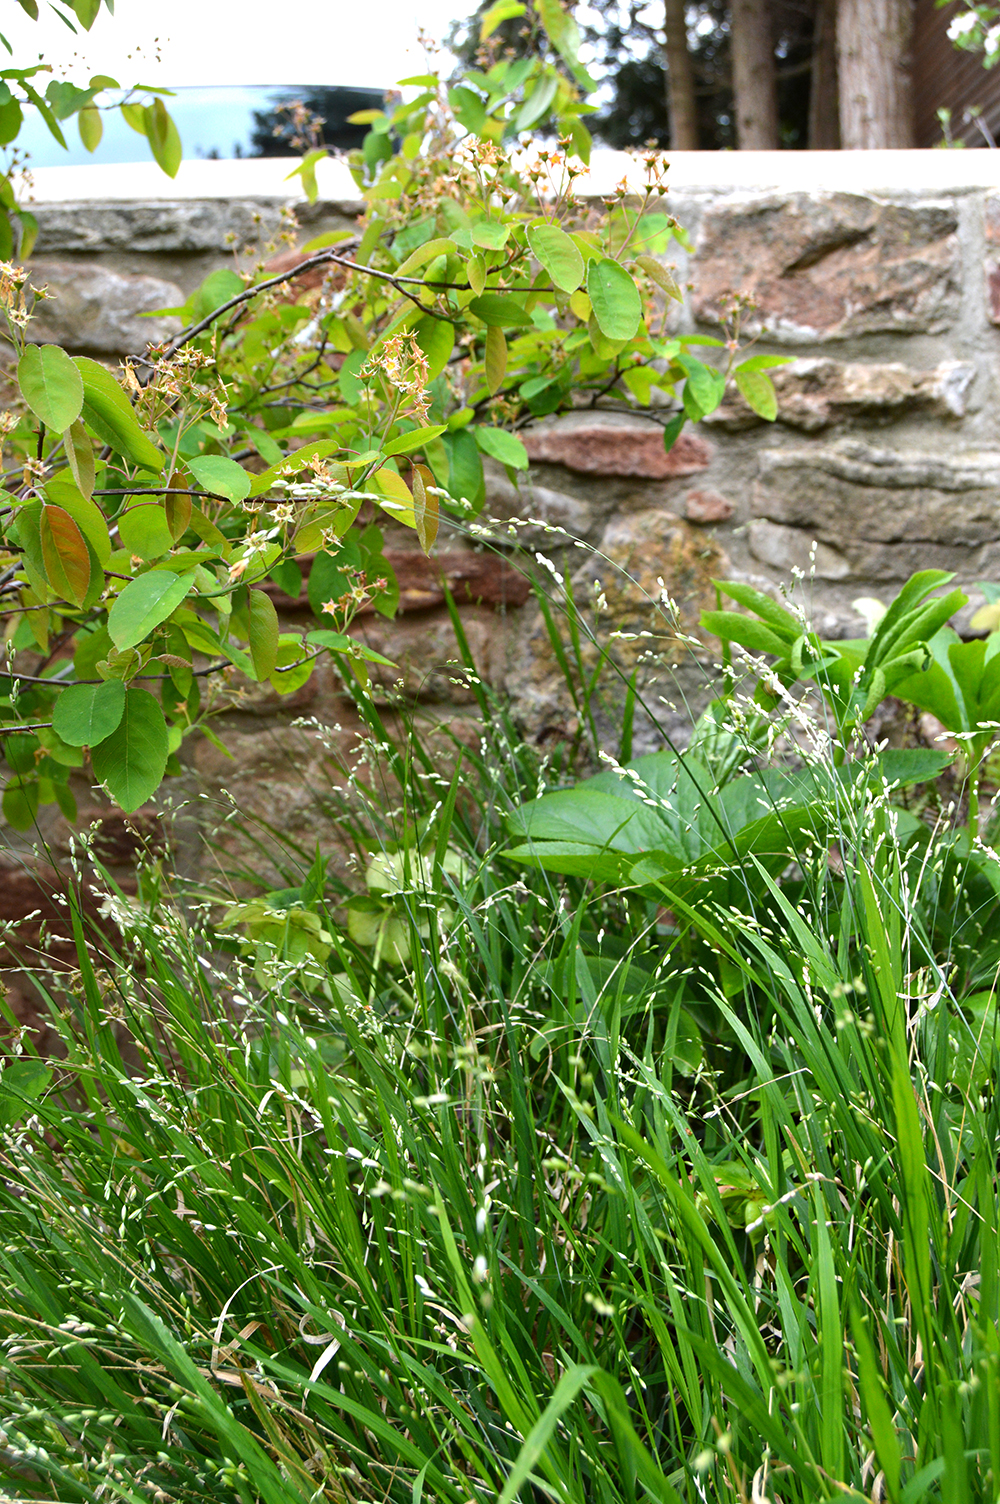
<point>934,171</point>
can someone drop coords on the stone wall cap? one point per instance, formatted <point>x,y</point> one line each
<point>261,178</point>
<point>892,172</point>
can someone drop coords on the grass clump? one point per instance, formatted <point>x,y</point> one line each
<point>662,1165</point>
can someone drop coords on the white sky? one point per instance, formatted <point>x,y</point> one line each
<point>370,43</point>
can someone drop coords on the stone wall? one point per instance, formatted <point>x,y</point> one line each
<point>885,457</point>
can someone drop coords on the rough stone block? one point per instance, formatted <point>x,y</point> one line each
<point>705,507</point>
<point>98,310</point>
<point>827,266</point>
<point>788,548</point>
<point>815,392</point>
<point>157,225</point>
<point>887,513</point>
<point>991,231</point>
<point>601,443</point>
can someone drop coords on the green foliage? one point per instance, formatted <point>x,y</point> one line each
<point>570,1193</point>
<point>478,296</point>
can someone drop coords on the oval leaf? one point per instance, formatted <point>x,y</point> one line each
<point>505,312</point>
<point>554,250</point>
<point>221,476</point>
<point>109,413</point>
<point>80,453</point>
<point>143,604</point>
<point>496,358</point>
<point>757,389</point>
<point>144,530</point>
<point>615,299</point>
<point>263,632</point>
<point>503,446</point>
<point>51,386</point>
<point>661,275</point>
<point>132,760</point>
<point>66,556</point>
<point>84,511</point>
<point>406,443</point>
<point>426,512</point>
<point>86,714</point>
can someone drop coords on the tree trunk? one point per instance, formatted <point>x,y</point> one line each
<point>824,118</point>
<point>754,87</point>
<point>873,62</point>
<point>680,80</point>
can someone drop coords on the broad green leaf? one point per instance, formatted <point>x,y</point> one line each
<point>465,468</point>
<point>144,603</point>
<point>293,665</point>
<point>221,476</point>
<point>705,386</point>
<point>263,633</point>
<point>339,642</point>
<point>80,454</point>
<point>556,252</point>
<point>538,102</point>
<point>91,127</point>
<point>20,803</point>
<point>144,530</point>
<point>65,552</point>
<point>436,337</point>
<point>672,431</point>
<point>661,275</point>
<point>51,386</point>
<point>496,358</point>
<point>615,299</point>
<point>109,413</point>
<point>164,141</point>
<point>500,309</point>
<point>406,443</point>
<point>490,234</point>
<point>757,389</point>
<point>502,10</point>
<point>423,254</point>
<point>22,1082</point>
<point>86,714</point>
<point>501,445</point>
<point>130,763</point>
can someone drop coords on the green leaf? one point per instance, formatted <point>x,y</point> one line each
<point>502,10</point>
<point>436,337</point>
<point>109,413</point>
<point>406,443</point>
<point>51,386</point>
<point>538,101</point>
<point>22,1082</point>
<point>131,761</point>
<point>144,603</point>
<point>339,642</point>
<point>426,508</point>
<point>614,298</point>
<point>556,252</point>
<point>20,803</point>
<point>91,127</point>
<point>164,141</point>
<point>80,453</point>
<point>86,714</point>
<point>661,275</point>
<point>704,385</point>
<point>144,530</point>
<point>672,431</point>
<point>221,476</point>
<point>501,445</point>
<point>758,391</point>
<point>263,633</point>
<point>500,309</point>
<point>490,234</point>
<point>495,362</point>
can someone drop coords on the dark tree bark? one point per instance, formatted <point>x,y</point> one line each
<point>824,105</point>
<point>754,87</point>
<point>873,64</point>
<point>680,79</point>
